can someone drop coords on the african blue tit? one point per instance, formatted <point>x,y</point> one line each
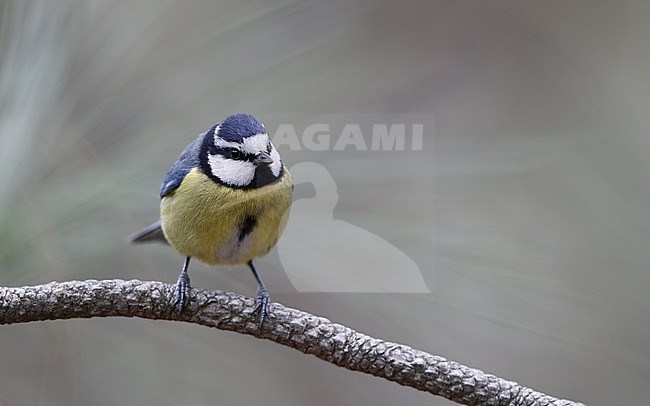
<point>225,201</point>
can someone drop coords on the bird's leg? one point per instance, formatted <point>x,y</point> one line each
<point>183,293</point>
<point>262,299</point>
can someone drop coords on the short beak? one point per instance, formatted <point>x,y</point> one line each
<point>263,158</point>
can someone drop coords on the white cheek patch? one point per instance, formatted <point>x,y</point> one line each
<point>230,171</point>
<point>276,166</point>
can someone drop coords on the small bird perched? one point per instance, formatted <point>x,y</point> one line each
<point>225,201</point>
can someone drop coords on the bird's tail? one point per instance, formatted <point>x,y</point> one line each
<point>152,233</point>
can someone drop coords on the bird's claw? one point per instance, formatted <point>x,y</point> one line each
<point>183,292</point>
<point>262,304</point>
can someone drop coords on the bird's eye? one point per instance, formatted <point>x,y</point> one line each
<point>235,154</point>
<point>268,147</point>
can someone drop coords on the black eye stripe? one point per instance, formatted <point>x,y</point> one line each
<point>234,153</point>
<point>231,153</point>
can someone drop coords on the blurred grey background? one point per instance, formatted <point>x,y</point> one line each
<point>526,211</point>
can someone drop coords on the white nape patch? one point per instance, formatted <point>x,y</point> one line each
<point>230,171</point>
<point>276,166</point>
<point>255,144</point>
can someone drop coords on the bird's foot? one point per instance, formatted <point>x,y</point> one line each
<point>262,304</point>
<point>183,291</point>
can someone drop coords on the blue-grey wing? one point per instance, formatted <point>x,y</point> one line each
<point>189,159</point>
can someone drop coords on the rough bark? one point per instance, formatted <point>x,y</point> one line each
<point>305,332</point>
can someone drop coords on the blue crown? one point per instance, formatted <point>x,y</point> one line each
<point>239,126</point>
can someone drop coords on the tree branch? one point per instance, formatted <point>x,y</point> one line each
<point>305,332</point>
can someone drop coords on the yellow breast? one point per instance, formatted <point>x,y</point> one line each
<point>220,225</point>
